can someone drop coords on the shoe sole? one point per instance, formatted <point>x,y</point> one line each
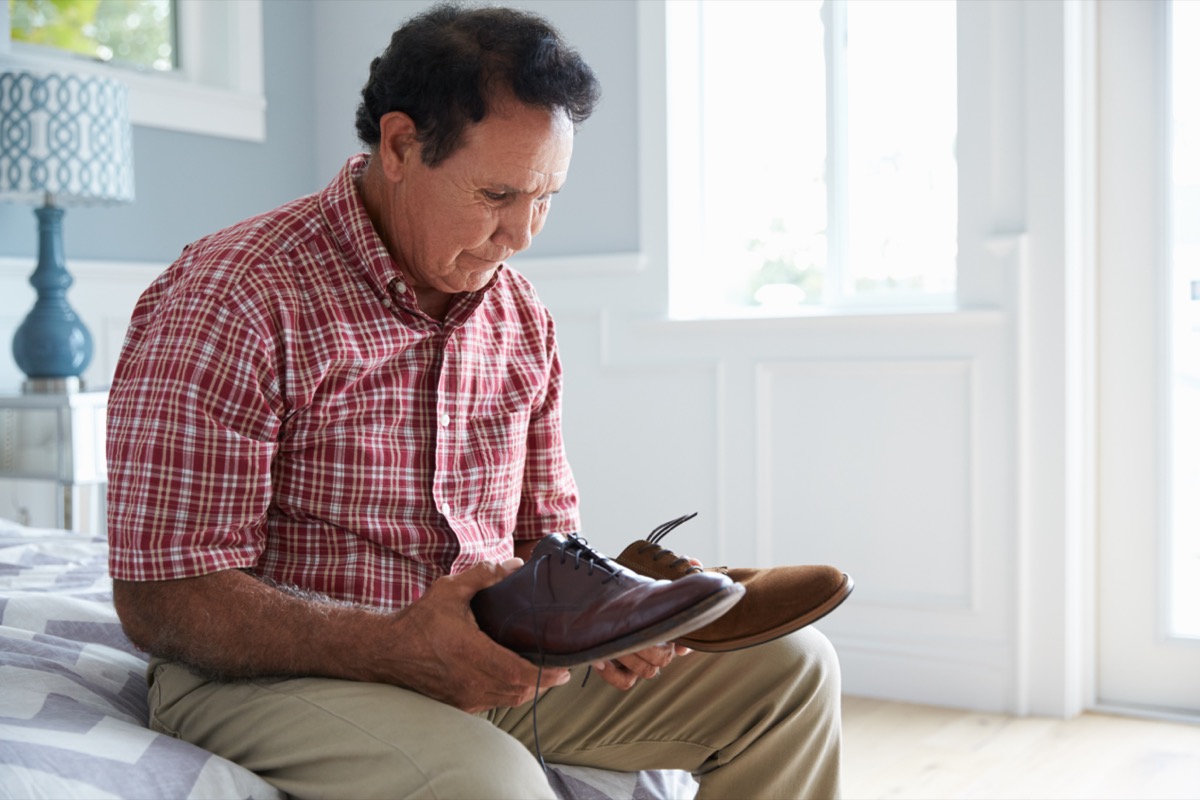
<point>668,630</point>
<point>781,630</point>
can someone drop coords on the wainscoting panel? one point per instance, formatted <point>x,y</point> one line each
<point>868,465</point>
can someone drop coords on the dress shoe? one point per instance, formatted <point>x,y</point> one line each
<point>569,605</point>
<point>778,600</point>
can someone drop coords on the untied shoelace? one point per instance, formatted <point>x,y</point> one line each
<point>582,554</point>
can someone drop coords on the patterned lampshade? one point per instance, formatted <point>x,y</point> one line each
<point>65,139</point>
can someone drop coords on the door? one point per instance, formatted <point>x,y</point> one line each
<point>1148,587</point>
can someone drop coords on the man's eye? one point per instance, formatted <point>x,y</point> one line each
<point>495,197</point>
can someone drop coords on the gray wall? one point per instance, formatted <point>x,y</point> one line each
<point>189,185</point>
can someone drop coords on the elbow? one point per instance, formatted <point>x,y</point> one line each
<point>134,603</point>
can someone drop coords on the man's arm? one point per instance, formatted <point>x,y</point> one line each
<point>231,625</point>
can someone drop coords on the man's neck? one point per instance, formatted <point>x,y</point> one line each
<point>434,303</point>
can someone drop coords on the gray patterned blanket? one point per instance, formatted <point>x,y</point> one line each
<point>73,695</point>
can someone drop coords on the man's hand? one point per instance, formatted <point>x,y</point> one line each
<point>438,650</point>
<point>623,672</point>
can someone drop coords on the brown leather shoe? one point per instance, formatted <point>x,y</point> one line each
<point>778,600</point>
<point>569,605</point>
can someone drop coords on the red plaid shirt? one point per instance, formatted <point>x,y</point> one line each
<point>282,405</point>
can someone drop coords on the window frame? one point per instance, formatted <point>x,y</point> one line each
<point>218,89</point>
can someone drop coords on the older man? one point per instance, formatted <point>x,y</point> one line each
<point>334,424</point>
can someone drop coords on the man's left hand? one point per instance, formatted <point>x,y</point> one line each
<point>624,671</point>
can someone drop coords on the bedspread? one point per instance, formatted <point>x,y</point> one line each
<point>73,705</point>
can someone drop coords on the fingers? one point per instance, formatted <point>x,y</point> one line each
<point>483,575</point>
<point>624,671</point>
<point>501,678</point>
<point>446,656</point>
<point>615,674</point>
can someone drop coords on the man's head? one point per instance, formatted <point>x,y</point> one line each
<point>470,116</point>
<point>446,69</point>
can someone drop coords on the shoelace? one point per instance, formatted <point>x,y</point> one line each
<point>576,548</point>
<point>657,535</point>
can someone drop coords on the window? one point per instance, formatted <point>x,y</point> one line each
<point>191,65</point>
<point>812,155</point>
<point>130,33</point>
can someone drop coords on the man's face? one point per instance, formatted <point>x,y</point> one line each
<point>451,225</point>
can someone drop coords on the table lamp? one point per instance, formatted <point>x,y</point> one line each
<point>64,140</point>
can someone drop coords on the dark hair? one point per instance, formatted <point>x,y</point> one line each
<point>444,66</point>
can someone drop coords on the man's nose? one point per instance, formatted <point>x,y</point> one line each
<point>517,226</point>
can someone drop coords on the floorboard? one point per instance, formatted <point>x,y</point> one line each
<point>899,750</point>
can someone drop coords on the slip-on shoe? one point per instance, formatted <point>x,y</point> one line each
<point>778,600</point>
<point>569,605</point>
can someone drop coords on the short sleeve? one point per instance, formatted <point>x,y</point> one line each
<point>193,417</point>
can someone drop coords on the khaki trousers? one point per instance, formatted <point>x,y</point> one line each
<point>764,722</point>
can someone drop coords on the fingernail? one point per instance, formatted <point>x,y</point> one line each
<point>600,666</point>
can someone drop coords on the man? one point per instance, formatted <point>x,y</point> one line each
<point>334,424</point>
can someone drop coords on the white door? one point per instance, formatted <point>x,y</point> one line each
<point>1148,590</point>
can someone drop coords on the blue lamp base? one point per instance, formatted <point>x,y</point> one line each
<point>52,346</point>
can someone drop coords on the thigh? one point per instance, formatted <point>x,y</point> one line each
<point>324,738</point>
<point>701,712</point>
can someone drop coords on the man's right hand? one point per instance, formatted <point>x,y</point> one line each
<point>439,651</point>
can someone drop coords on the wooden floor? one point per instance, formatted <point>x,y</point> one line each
<point>896,750</point>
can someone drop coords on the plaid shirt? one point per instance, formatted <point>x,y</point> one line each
<point>282,405</point>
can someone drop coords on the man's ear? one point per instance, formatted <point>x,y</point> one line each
<point>398,145</point>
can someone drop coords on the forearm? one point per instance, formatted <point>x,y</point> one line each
<point>231,625</point>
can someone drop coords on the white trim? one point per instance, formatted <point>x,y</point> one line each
<point>218,90</point>
<point>1145,713</point>
<point>1081,123</point>
<point>653,153</point>
<point>1054,357</point>
<point>87,268</point>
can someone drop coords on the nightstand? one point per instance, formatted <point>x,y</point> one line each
<point>59,438</point>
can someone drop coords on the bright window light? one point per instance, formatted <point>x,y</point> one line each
<point>812,155</point>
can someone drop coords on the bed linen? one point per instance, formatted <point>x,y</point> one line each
<point>73,696</point>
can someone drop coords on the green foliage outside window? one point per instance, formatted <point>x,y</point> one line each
<point>137,33</point>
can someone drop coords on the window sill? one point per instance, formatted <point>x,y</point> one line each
<point>947,315</point>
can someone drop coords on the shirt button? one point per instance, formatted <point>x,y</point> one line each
<point>445,509</point>
<point>445,420</point>
<point>387,303</point>
<point>399,287</point>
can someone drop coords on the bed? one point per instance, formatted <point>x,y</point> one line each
<point>73,695</point>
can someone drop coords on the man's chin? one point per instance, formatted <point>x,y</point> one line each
<point>473,281</point>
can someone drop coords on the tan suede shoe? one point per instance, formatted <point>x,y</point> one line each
<point>778,600</point>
